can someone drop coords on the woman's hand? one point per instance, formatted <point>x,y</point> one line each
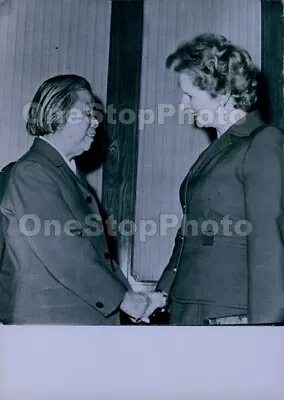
<point>139,306</point>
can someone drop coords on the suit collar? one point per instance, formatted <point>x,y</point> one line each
<point>48,151</point>
<point>246,125</point>
<point>71,163</point>
<point>219,147</point>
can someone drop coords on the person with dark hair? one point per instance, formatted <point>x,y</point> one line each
<point>227,265</point>
<point>63,271</point>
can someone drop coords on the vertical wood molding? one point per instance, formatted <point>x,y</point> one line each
<point>272,56</point>
<point>120,168</point>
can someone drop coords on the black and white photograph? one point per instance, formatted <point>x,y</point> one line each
<point>142,181</point>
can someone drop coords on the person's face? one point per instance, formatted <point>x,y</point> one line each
<point>199,102</point>
<point>80,128</point>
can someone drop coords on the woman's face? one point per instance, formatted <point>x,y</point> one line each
<point>199,102</point>
<point>80,128</point>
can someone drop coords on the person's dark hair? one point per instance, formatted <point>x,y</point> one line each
<point>218,67</point>
<point>52,102</point>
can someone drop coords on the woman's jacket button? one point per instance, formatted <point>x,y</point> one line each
<point>89,199</point>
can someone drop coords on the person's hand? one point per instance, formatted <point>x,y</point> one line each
<point>135,304</point>
<point>157,300</point>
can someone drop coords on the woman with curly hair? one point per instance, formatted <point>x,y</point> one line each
<point>228,261</point>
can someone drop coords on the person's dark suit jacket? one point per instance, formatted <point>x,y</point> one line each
<point>62,275</point>
<point>238,177</point>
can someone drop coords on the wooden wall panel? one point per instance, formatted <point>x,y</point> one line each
<point>42,38</point>
<point>167,149</point>
<point>273,57</point>
<point>120,167</point>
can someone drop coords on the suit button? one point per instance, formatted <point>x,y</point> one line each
<point>99,304</point>
<point>106,255</point>
<point>175,269</point>
<point>89,199</point>
<point>207,240</point>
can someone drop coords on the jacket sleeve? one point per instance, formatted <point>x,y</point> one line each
<point>263,172</point>
<point>71,260</point>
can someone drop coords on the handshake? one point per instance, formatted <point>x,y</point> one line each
<point>139,306</point>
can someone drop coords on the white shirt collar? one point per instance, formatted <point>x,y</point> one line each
<point>71,163</point>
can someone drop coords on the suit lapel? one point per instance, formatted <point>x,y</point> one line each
<point>252,122</point>
<point>213,152</point>
<point>87,206</point>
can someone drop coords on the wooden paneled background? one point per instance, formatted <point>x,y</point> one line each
<point>167,149</point>
<point>42,38</point>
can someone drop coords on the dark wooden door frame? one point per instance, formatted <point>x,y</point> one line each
<point>272,57</point>
<point>123,99</point>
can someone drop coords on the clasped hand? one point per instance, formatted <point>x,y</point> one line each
<point>139,306</point>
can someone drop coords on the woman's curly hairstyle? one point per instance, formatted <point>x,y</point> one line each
<point>218,67</point>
